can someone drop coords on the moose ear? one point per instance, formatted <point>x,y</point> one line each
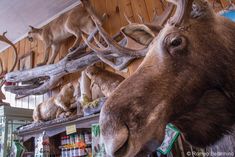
<point>139,33</point>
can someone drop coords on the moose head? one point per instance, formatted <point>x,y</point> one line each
<point>186,78</point>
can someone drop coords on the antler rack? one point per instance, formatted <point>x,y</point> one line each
<point>111,51</point>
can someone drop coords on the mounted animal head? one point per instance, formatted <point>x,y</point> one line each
<point>92,71</point>
<point>187,78</point>
<point>34,33</point>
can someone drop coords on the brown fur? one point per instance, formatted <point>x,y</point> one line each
<point>57,106</point>
<point>71,23</point>
<point>106,80</point>
<point>188,82</point>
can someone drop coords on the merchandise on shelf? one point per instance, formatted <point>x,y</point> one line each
<point>76,145</point>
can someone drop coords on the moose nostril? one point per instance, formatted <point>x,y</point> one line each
<point>176,42</point>
<point>118,143</point>
<point>122,150</point>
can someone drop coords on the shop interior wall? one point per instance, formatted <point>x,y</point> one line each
<point>115,10</point>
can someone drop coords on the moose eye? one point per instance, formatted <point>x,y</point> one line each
<point>176,42</point>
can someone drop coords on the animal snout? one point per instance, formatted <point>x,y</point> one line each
<point>116,141</point>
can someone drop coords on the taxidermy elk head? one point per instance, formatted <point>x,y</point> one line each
<point>187,78</point>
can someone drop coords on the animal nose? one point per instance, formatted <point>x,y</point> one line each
<point>30,39</point>
<point>115,141</point>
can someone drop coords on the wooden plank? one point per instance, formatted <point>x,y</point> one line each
<point>113,12</point>
<point>65,47</point>
<point>154,5</point>
<point>22,47</point>
<point>139,8</point>
<point>10,58</point>
<point>100,9</point>
<point>21,52</point>
<point>125,8</point>
<point>134,66</point>
<point>34,48</point>
<point>5,60</point>
<point>39,55</point>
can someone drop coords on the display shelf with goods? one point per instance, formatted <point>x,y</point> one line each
<point>52,139</point>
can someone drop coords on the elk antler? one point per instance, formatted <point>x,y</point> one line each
<point>127,19</point>
<point>160,20</point>
<point>40,80</point>
<point>120,63</point>
<point>112,45</point>
<point>183,7</point>
<point>6,40</point>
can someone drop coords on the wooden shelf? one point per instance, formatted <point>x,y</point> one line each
<point>57,126</point>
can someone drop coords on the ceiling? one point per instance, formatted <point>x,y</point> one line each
<point>16,15</point>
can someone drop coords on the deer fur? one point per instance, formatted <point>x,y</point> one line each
<point>187,78</point>
<point>106,80</point>
<point>57,106</point>
<point>74,22</point>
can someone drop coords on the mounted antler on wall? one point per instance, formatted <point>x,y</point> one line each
<point>111,50</point>
<point>45,78</point>
<point>3,38</point>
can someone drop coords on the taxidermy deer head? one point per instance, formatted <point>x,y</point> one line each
<point>187,78</point>
<point>71,23</point>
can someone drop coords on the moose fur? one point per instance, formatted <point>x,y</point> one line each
<point>71,23</point>
<point>187,78</point>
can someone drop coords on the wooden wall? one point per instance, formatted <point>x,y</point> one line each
<point>115,10</point>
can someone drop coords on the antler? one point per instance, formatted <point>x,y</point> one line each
<point>39,80</point>
<point>112,45</point>
<point>183,7</point>
<point>160,20</point>
<point>6,40</point>
<point>123,55</point>
<point>126,54</point>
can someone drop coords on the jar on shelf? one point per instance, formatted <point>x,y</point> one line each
<point>63,152</point>
<point>81,152</point>
<point>81,137</point>
<point>67,140</point>
<point>76,138</point>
